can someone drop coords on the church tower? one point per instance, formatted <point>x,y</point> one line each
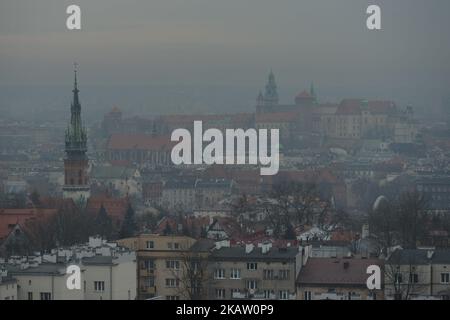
<point>76,182</point>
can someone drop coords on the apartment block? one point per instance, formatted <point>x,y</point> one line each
<point>255,272</point>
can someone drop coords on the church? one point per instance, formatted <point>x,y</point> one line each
<point>76,163</point>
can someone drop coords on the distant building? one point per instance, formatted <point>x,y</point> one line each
<point>126,181</point>
<point>436,190</point>
<point>142,149</point>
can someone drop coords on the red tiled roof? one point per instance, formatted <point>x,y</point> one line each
<point>336,271</point>
<point>11,217</point>
<point>303,94</point>
<point>115,207</point>
<point>139,141</point>
<point>349,107</point>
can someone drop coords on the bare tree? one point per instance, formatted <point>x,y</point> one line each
<point>402,275</point>
<point>294,203</point>
<point>192,275</point>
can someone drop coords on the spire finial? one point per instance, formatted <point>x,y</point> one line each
<point>75,69</point>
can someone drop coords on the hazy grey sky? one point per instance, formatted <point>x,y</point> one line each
<point>231,42</point>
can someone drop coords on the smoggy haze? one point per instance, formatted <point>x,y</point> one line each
<point>233,43</point>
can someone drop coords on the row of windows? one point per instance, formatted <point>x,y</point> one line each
<point>414,278</point>
<point>170,245</point>
<point>267,294</point>
<point>172,283</point>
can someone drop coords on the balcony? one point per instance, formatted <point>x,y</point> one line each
<point>147,290</point>
<point>147,272</point>
<point>335,296</point>
<point>259,296</point>
<point>239,295</point>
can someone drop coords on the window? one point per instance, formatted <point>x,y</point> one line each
<point>172,283</point>
<point>268,274</point>
<point>398,278</point>
<point>149,282</point>
<point>30,295</point>
<point>283,295</point>
<point>219,274</point>
<point>173,264</point>
<point>149,264</point>
<point>176,246</point>
<point>46,296</point>
<point>251,285</point>
<point>220,293</point>
<point>99,286</point>
<point>169,245</point>
<point>234,291</point>
<point>268,294</point>
<point>413,278</point>
<point>307,295</point>
<point>235,274</point>
<point>172,297</point>
<point>252,266</point>
<point>150,245</point>
<point>445,277</point>
<point>283,274</point>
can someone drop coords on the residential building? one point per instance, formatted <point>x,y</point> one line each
<point>107,272</point>
<point>255,272</point>
<point>337,279</point>
<point>418,274</point>
<point>8,286</point>
<point>163,262</point>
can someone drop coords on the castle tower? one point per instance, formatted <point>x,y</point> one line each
<point>271,94</point>
<point>76,182</point>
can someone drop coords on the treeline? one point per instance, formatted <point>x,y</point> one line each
<point>70,225</point>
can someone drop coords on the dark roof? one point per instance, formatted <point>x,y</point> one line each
<point>42,269</point>
<point>98,260</point>
<point>213,183</point>
<point>419,256</point>
<point>203,245</point>
<point>232,253</point>
<point>321,271</point>
<point>185,183</point>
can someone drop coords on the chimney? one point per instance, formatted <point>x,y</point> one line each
<point>430,254</point>
<point>249,247</point>
<point>265,247</point>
